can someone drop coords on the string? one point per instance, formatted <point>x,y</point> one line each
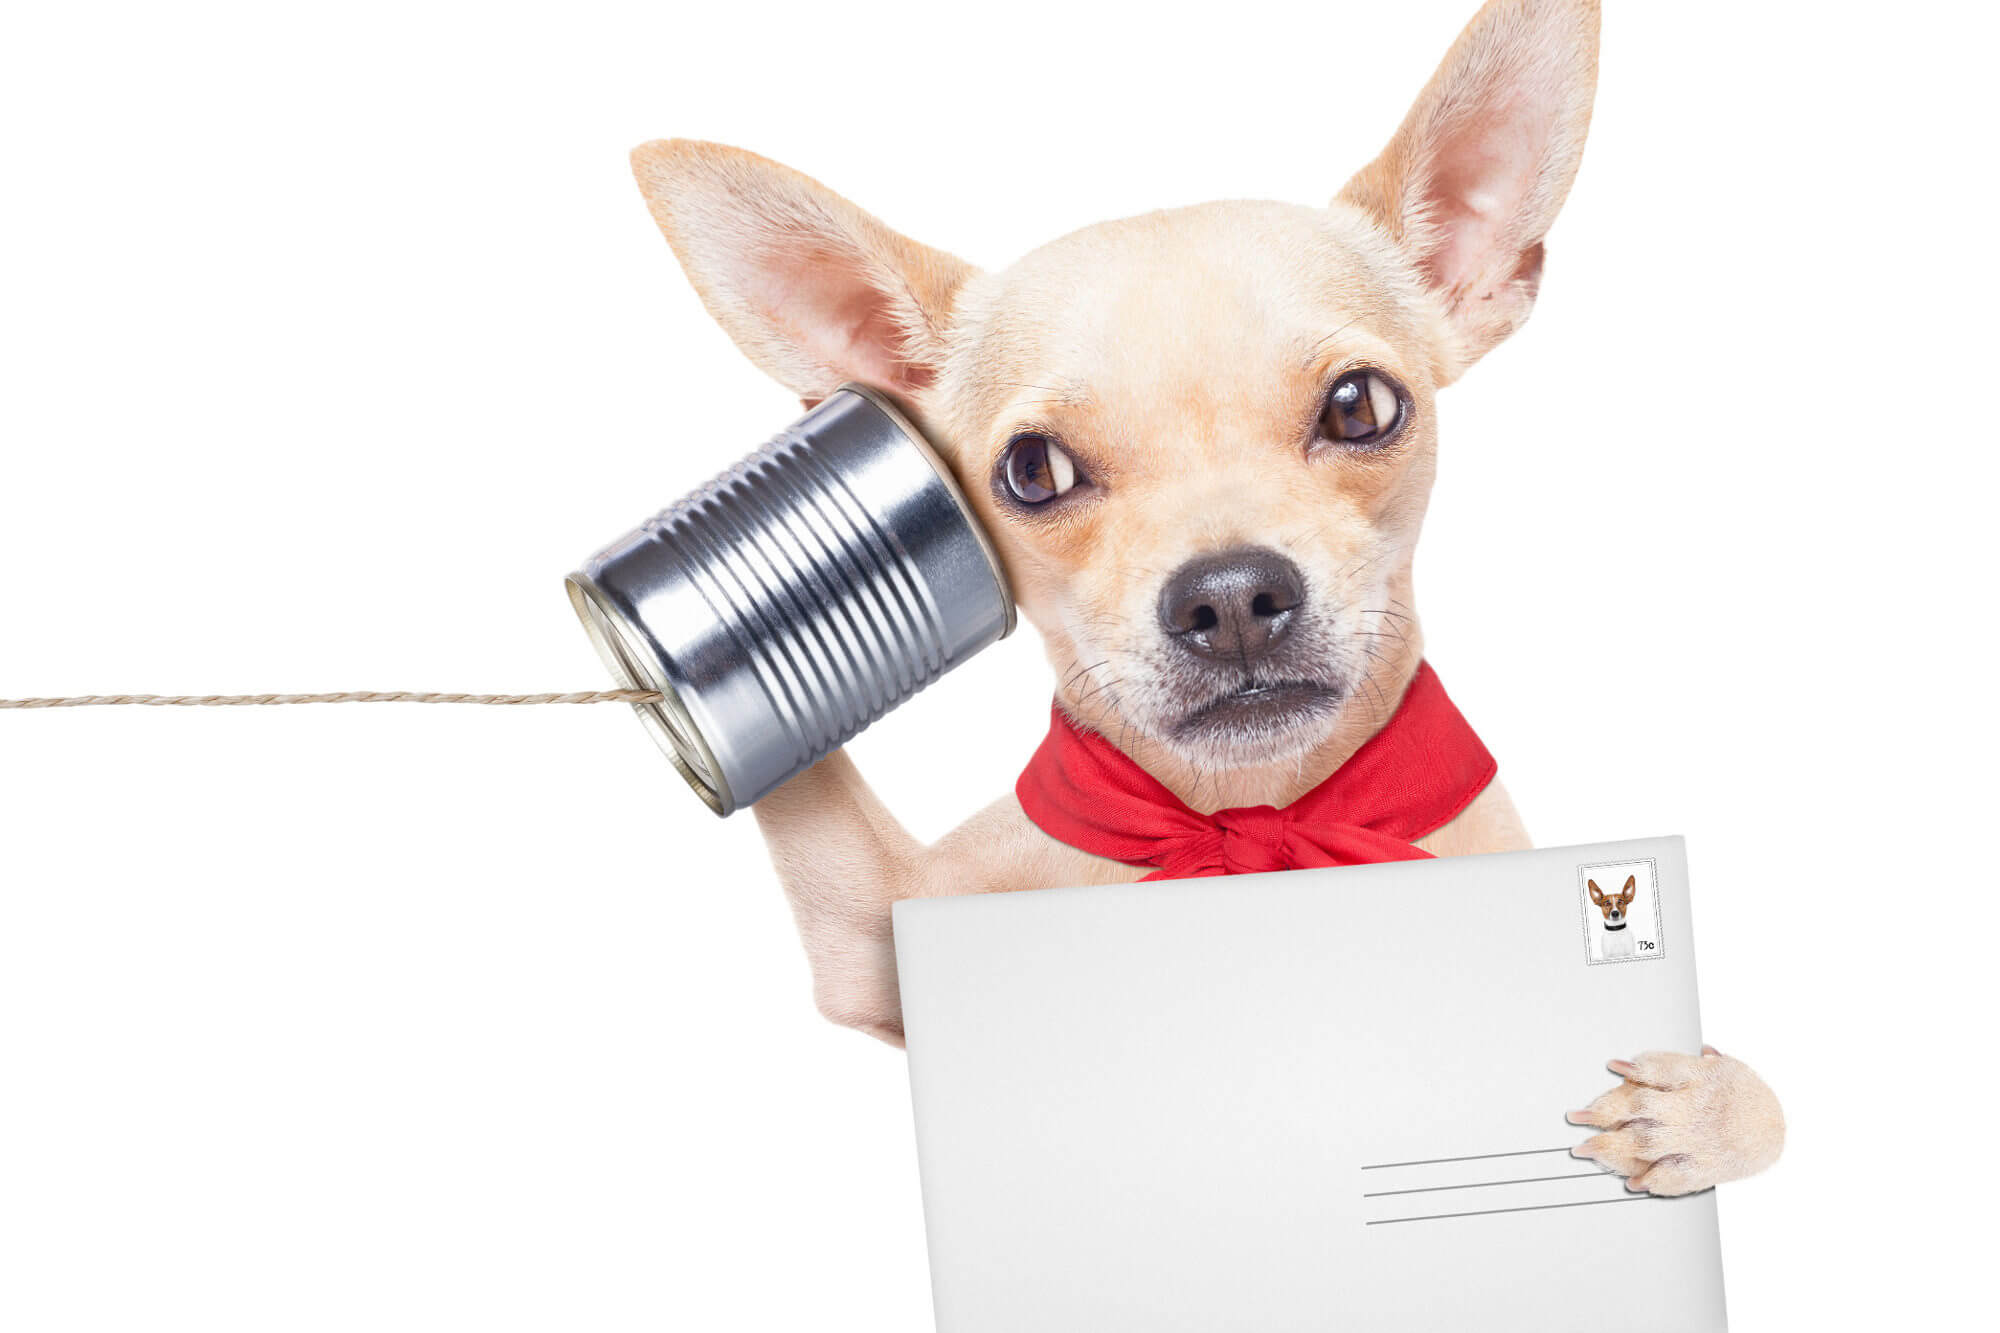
<point>346,697</point>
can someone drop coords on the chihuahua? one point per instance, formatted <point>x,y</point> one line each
<point>1616,943</point>
<point>1245,385</point>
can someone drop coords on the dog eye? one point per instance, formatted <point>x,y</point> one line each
<point>1036,469</point>
<point>1363,408</point>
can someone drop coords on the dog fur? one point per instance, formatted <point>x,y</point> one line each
<point>1616,942</point>
<point>1180,361</point>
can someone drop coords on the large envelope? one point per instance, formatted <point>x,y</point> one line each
<point>1327,1099</point>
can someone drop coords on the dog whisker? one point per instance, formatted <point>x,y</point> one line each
<point>1397,631</point>
<point>1096,689</point>
<point>1381,701</point>
<point>1083,671</point>
<point>1306,539</point>
<point>1321,345</point>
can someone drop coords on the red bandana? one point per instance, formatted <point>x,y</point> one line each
<point>1410,779</point>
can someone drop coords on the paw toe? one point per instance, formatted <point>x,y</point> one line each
<point>1666,1070</point>
<point>1671,1176</point>
<point>1615,1150</point>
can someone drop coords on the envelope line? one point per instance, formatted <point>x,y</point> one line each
<point>1531,1208</point>
<point>1476,1157</point>
<point>1489,1184</point>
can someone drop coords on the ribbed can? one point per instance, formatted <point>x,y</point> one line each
<point>794,599</point>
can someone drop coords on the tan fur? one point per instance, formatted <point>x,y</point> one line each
<point>1181,358</point>
<point>1682,1123</point>
<point>1610,902</point>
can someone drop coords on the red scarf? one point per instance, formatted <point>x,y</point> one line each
<point>1412,778</point>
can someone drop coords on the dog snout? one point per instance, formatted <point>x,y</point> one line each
<point>1232,606</point>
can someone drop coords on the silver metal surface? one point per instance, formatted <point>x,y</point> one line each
<point>796,598</point>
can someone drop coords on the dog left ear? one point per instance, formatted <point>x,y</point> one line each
<point>813,289</point>
<point>1473,179</point>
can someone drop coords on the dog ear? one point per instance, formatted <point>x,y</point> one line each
<point>814,290</point>
<point>1473,179</point>
<point>1630,891</point>
<point>1596,894</point>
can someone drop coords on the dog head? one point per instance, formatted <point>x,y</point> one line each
<point>1203,440</point>
<point>1613,905</point>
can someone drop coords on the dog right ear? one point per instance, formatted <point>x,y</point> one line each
<point>1596,894</point>
<point>1480,166</point>
<point>814,290</point>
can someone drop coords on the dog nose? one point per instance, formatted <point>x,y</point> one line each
<point>1232,606</point>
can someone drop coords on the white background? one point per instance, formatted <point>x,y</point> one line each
<point>333,336</point>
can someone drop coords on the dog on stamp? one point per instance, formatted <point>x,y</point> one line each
<point>1613,942</point>
<point>1202,441</point>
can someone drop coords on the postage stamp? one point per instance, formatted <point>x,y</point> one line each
<point>1620,901</point>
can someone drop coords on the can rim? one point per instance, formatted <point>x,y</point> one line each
<point>672,726</point>
<point>957,493</point>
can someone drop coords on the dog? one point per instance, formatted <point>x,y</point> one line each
<point>1234,392</point>
<point>1615,942</point>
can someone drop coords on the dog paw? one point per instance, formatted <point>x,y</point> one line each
<point>864,1008</point>
<point>854,981</point>
<point>1681,1123</point>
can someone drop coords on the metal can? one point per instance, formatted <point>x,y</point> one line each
<point>796,598</point>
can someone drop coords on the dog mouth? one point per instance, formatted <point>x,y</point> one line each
<point>1259,707</point>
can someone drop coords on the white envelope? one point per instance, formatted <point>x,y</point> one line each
<point>1325,1099</point>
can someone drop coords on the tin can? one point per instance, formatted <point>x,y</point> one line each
<point>794,599</point>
